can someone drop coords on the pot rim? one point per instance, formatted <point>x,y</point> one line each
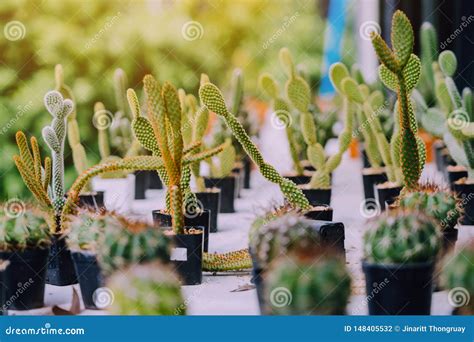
<point>415,265</point>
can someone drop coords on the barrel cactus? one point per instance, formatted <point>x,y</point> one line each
<point>85,229</point>
<point>318,285</point>
<point>148,289</point>
<point>402,236</point>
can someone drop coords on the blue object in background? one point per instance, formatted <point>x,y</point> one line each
<point>333,41</point>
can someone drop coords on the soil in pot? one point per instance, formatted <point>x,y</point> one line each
<point>227,186</point>
<point>399,289</point>
<point>61,270</point>
<point>317,197</point>
<point>142,181</point>
<point>186,254</point>
<point>371,177</point>
<point>210,199</point>
<point>299,179</point>
<point>89,276</point>
<point>93,200</point>
<point>455,173</point>
<point>154,181</point>
<point>320,213</point>
<point>24,278</point>
<point>387,193</point>
<point>465,191</point>
<point>247,172</point>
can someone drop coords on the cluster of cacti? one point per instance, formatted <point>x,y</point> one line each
<point>299,94</point>
<point>400,71</point>
<point>402,236</point>
<point>440,204</point>
<point>318,285</point>
<point>458,273</point>
<point>148,289</point>
<point>211,96</point>
<point>25,231</point>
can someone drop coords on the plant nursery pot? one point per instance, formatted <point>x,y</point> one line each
<point>24,278</point>
<point>455,173</point>
<point>365,159</point>
<point>60,265</point>
<point>162,219</point>
<point>370,178</point>
<point>227,186</point>
<point>186,255</point>
<point>89,276</point>
<point>119,193</point>
<point>237,173</point>
<point>210,200</point>
<point>387,194</point>
<point>448,242</point>
<point>299,179</point>
<point>142,181</point>
<point>320,213</point>
<point>154,181</point>
<point>93,200</point>
<point>318,196</point>
<point>465,192</point>
<point>399,289</point>
<point>257,280</point>
<point>438,147</point>
<point>332,234</point>
<point>447,161</point>
<point>247,172</point>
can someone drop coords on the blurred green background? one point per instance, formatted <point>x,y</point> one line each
<point>91,38</point>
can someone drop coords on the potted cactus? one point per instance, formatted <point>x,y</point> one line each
<point>24,245</point>
<point>308,282</point>
<point>400,250</point>
<point>400,71</point>
<point>148,289</point>
<point>458,278</point>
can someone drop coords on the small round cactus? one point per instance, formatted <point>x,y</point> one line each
<point>320,285</point>
<point>85,229</point>
<point>442,205</point>
<point>458,276</point>
<point>402,236</point>
<point>148,289</point>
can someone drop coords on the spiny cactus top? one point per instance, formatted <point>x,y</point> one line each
<point>149,289</point>
<point>315,286</point>
<point>403,236</point>
<point>86,228</point>
<point>400,71</point>
<point>23,230</point>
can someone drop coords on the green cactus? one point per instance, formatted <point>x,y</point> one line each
<point>211,96</point>
<point>402,236</point>
<point>85,229</point>
<point>308,286</point>
<point>458,275</point>
<point>23,230</point>
<point>429,53</point>
<point>231,261</point>
<point>226,161</point>
<point>400,71</point>
<point>149,289</point>
<point>54,136</point>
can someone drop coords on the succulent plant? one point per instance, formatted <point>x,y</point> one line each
<point>24,230</point>
<point>230,261</point>
<point>320,285</point>
<point>226,161</point>
<point>400,71</point>
<point>85,229</point>
<point>402,236</point>
<point>458,275</point>
<point>429,53</point>
<point>148,289</point>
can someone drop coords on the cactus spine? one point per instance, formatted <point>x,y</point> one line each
<point>400,72</point>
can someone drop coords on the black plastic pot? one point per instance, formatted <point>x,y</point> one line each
<point>387,195</point>
<point>211,200</point>
<point>89,276</point>
<point>454,174</point>
<point>399,289</point>
<point>239,180</point>
<point>370,178</point>
<point>332,235</point>
<point>24,279</point>
<point>299,180</point>
<point>320,213</point>
<point>142,183</point>
<point>438,148</point>
<point>318,196</point>
<point>61,270</point>
<point>448,242</point>
<point>93,200</point>
<point>186,256</point>
<point>154,181</point>
<point>466,194</point>
<point>447,161</point>
<point>257,280</point>
<point>227,186</point>
<point>247,172</point>
<point>162,219</point>
<point>365,159</point>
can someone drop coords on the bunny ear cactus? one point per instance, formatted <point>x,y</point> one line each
<point>429,53</point>
<point>400,72</point>
<point>211,96</point>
